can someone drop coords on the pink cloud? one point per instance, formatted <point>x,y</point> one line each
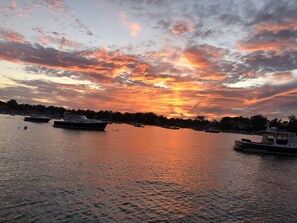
<point>181,27</point>
<point>196,58</point>
<point>12,36</point>
<point>13,4</point>
<point>282,77</point>
<point>275,28</point>
<point>133,27</point>
<point>56,5</point>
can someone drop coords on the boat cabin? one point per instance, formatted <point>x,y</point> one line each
<point>279,138</point>
<point>73,117</point>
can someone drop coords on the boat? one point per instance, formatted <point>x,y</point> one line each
<point>174,127</point>
<point>74,121</point>
<point>137,124</point>
<point>273,142</point>
<point>212,130</point>
<point>171,127</point>
<point>36,118</point>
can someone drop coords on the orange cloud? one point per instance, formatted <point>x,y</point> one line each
<point>277,46</point>
<point>132,83</point>
<point>270,97</point>
<point>163,54</point>
<point>133,27</point>
<point>275,28</point>
<point>196,58</point>
<point>61,42</point>
<point>282,77</point>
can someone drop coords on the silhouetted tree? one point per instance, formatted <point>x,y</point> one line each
<point>12,104</point>
<point>227,123</point>
<point>258,122</point>
<point>292,124</point>
<point>254,123</point>
<point>275,123</point>
<point>117,117</point>
<point>200,118</point>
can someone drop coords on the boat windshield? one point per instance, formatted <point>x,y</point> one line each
<point>71,117</point>
<point>282,138</point>
<point>268,138</point>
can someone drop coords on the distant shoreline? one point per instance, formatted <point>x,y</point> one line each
<point>241,125</point>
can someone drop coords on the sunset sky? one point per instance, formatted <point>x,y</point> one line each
<point>175,58</point>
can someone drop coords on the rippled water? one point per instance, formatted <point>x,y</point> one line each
<point>129,174</point>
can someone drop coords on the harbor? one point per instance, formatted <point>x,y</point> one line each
<point>136,174</point>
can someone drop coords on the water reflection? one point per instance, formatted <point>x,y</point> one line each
<point>138,175</point>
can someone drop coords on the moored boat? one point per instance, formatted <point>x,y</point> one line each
<point>212,130</point>
<point>170,127</point>
<point>137,124</point>
<point>36,118</point>
<point>74,121</point>
<point>273,142</point>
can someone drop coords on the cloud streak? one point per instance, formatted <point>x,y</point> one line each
<point>11,35</point>
<point>133,27</point>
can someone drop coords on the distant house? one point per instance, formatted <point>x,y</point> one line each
<point>242,126</point>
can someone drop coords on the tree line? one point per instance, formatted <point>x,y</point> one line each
<point>254,123</point>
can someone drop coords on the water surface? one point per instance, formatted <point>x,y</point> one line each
<point>130,174</point>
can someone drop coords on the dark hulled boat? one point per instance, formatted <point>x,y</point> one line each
<point>36,118</point>
<point>73,121</point>
<point>273,142</point>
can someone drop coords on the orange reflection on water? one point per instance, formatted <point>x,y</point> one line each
<point>158,154</point>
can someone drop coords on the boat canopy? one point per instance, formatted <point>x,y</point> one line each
<point>279,138</point>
